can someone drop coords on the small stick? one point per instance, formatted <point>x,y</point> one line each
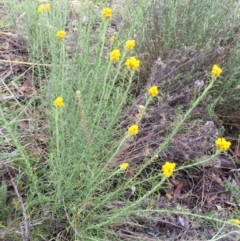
<point>11,97</point>
<point>25,235</point>
<point>9,34</point>
<point>22,62</point>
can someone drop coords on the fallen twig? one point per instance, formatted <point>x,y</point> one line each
<point>22,62</point>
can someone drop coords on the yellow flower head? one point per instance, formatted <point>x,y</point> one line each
<point>132,63</point>
<point>40,8</point>
<point>43,8</point>
<point>61,34</point>
<point>129,45</point>
<point>168,169</point>
<point>115,55</point>
<point>58,102</point>
<point>124,166</point>
<point>153,91</point>
<point>222,144</point>
<point>236,221</point>
<point>216,71</point>
<point>133,130</point>
<point>107,13</point>
<point>47,7</point>
<point>141,108</point>
<point>112,39</point>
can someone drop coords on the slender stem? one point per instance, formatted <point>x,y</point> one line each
<point>103,36</point>
<point>134,204</point>
<point>58,158</point>
<point>98,116</point>
<point>198,163</point>
<point>25,235</point>
<point>57,133</point>
<point>179,123</point>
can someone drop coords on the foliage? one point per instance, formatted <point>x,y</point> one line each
<point>86,78</point>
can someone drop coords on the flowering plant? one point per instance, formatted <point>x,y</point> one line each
<point>129,45</point>
<point>133,130</point>
<point>153,91</point>
<point>168,169</point>
<point>132,63</point>
<point>216,71</point>
<point>124,166</point>
<point>222,144</point>
<point>58,102</point>
<point>115,55</point>
<point>107,13</point>
<point>61,34</point>
<point>44,8</point>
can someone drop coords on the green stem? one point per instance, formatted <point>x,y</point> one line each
<point>57,133</point>
<point>134,204</point>
<point>179,123</point>
<point>121,103</point>
<point>63,66</point>
<point>103,37</point>
<point>198,163</point>
<point>112,84</point>
<point>58,158</point>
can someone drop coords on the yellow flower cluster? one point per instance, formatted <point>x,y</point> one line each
<point>132,63</point>
<point>133,130</point>
<point>168,169</point>
<point>112,39</point>
<point>129,45</point>
<point>44,8</point>
<point>124,166</point>
<point>115,55</point>
<point>61,34</point>
<point>58,102</point>
<point>153,91</point>
<point>236,221</point>
<point>222,144</point>
<point>107,13</point>
<point>216,71</point>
